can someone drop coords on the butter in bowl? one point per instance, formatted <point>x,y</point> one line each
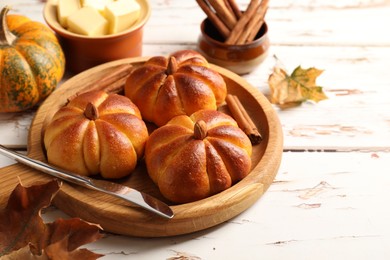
<point>93,32</point>
<point>234,39</point>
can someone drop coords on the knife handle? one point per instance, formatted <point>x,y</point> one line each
<point>128,194</point>
<point>46,168</point>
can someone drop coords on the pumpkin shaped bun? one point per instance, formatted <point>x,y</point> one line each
<point>181,84</point>
<point>96,133</point>
<point>193,157</point>
<point>32,62</point>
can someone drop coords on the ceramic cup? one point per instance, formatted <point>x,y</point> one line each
<point>240,59</point>
<point>83,52</point>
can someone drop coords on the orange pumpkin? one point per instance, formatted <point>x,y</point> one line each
<point>181,84</point>
<point>191,158</point>
<point>31,62</point>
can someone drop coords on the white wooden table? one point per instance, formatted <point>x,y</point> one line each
<point>331,197</point>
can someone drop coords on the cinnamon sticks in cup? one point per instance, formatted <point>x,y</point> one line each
<point>235,26</point>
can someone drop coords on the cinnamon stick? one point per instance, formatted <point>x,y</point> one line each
<point>236,10</point>
<point>234,26</point>
<point>227,17</point>
<point>112,82</point>
<point>216,21</point>
<point>229,8</point>
<point>254,24</point>
<point>259,21</point>
<point>238,28</point>
<point>243,119</point>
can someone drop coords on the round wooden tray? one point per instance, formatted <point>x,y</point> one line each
<point>118,217</point>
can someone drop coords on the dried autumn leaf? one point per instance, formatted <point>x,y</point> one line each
<point>24,235</point>
<point>291,90</point>
<point>23,253</point>
<point>68,235</point>
<point>20,221</point>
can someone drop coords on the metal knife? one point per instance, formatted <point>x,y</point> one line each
<point>120,191</point>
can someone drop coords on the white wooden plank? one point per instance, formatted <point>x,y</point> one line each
<point>347,23</point>
<point>291,22</point>
<point>5,161</point>
<point>356,113</point>
<point>320,206</point>
<point>14,128</point>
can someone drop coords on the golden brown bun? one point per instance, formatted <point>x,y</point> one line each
<point>111,144</point>
<point>187,168</point>
<point>178,85</point>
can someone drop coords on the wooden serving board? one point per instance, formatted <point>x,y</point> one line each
<point>119,217</point>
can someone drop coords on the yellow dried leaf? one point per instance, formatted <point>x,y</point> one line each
<point>291,90</point>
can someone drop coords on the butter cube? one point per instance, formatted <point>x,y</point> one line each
<point>66,8</point>
<point>97,4</point>
<point>88,21</point>
<point>121,14</point>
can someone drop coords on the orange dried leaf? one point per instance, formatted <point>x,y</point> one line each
<point>68,235</point>
<point>20,222</point>
<point>24,235</point>
<point>291,90</point>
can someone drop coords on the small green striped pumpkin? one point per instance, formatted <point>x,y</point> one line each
<point>31,62</point>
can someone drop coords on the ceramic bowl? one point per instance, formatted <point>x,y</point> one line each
<point>83,52</point>
<point>240,59</point>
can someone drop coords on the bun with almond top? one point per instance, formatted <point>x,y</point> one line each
<point>96,133</point>
<point>193,157</point>
<point>181,84</point>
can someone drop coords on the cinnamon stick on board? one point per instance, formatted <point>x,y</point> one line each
<point>112,82</point>
<point>243,119</point>
<point>105,83</point>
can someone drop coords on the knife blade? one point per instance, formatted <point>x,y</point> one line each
<point>123,192</point>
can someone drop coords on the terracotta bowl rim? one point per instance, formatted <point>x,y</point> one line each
<point>54,24</point>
